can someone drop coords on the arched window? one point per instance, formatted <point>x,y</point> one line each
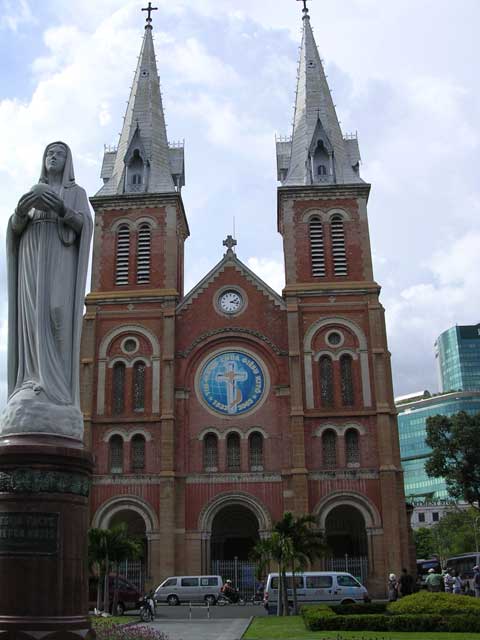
<point>135,172</point>
<point>233,452</point>
<point>255,450</point>
<point>123,254</point>
<point>322,170</point>
<point>136,178</point>
<point>143,254</point>
<point>346,380</point>
<point>139,370</point>
<point>116,454</point>
<point>316,247</point>
<point>352,446</point>
<point>210,452</point>
<point>329,448</point>
<point>338,246</point>
<point>326,381</point>
<point>321,160</point>
<point>118,388</point>
<point>138,453</point>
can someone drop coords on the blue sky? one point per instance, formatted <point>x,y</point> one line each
<point>403,74</point>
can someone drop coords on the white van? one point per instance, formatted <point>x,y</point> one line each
<point>314,587</point>
<point>179,589</point>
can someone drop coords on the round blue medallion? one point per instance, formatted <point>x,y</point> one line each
<point>232,383</point>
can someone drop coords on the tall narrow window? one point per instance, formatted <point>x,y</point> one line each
<point>352,446</point>
<point>256,452</point>
<point>210,452</point>
<point>143,254</point>
<point>233,452</point>
<point>138,453</point>
<point>346,380</point>
<point>123,254</point>
<point>326,381</point>
<point>338,246</point>
<point>118,388</point>
<point>316,247</point>
<point>116,454</point>
<point>329,448</point>
<point>139,370</point>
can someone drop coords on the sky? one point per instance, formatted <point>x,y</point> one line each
<point>404,75</point>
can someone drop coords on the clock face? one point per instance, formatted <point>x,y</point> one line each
<point>230,301</point>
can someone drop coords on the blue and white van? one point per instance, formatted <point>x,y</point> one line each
<point>315,587</point>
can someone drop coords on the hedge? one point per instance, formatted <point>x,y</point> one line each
<point>359,608</point>
<point>444,604</point>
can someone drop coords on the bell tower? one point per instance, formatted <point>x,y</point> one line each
<point>339,361</point>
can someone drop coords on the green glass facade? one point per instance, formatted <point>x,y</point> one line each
<point>412,418</point>
<point>457,351</point>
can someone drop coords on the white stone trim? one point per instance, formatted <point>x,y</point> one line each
<point>362,350</point>
<point>102,376</point>
<point>233,430</point>
<point>117,431</point>
<point>129,328</point>
<point>340,429</point>
<point>108,509</point>
<point>139,432</point>
<point>256,430</point>
<point>145,220</point>
<point>229,498</point>
<point>207,431</point>
<point>119,222</point>
<point>369,511</point>
<point>338,212</point>
<point>116,360</point>
<point>144,359</point>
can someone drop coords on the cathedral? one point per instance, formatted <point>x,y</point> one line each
<point>211,413</point>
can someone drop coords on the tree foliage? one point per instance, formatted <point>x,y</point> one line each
<point>455,444</point>
<point>457,532</point>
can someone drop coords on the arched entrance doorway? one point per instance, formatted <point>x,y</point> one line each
<point>346,536</point>
<point>133,570</point>
<point>234,533</point>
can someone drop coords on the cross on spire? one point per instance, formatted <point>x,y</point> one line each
<point>305,8</point>
<point>150,9</point>
<point>229,242</point>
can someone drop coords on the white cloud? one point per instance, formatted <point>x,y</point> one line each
<point>269,270</point>
<point>15,13</point>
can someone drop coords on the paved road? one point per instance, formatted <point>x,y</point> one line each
<point>202,629</point>
<point>200,612</point>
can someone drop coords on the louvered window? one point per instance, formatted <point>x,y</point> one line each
<point>143,254</point>
<point>338,246</point>
<point>352,446</point>
<point>118,388</point>
<point>139,371</point>
<point>123,254</point>
<point>138,454</point>
<point>326,381</point>
<point>346,380</point>
<point>116,454</point>
<point>210,452</point>
<point>329,448</point>
<point>233,452</point>
<point>316,247</point>
<point>256,452</point>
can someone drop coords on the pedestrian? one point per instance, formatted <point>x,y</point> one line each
<point>448,581</point>
<point>458,583</point>
<point>392,588</point>
<point>433,581</point>
<point>476,580</point>
<point>406,583</point>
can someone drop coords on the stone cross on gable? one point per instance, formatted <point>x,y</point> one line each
<point>229,242</point>
<point>150,9</point>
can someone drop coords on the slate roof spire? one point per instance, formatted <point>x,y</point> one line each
<point>144,161</point>
<point>317,153</point>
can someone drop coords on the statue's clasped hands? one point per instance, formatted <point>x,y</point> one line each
<point>42,197</point>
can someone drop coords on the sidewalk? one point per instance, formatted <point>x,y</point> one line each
<point>203,629</point>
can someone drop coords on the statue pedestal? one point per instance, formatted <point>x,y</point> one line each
<point>44,486</point>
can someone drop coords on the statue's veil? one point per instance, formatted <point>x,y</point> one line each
<point>68,179</point>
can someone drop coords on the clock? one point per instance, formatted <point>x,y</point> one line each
<point>230,301</point>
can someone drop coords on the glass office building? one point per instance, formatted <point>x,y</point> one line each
<point>457,351</point>
<point>413,412</point>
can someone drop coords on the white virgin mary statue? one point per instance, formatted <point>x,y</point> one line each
<point>48,244</point>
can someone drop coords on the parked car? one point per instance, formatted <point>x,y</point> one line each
<point>128,594</point>
<point>314,587</point>
<point>179,589</point>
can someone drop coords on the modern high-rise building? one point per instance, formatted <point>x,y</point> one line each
<point>457,351</point>
<point>211,413</point>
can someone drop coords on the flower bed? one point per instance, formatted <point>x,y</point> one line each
<point>107,630</point>
<point>419,612</point>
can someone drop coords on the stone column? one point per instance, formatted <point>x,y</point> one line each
<point>44,487</point>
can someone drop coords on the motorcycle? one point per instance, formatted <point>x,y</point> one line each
<point>147,608</point>
<point>232,597</point>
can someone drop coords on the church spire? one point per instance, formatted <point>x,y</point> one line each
<point>317,152</point>
<point>143,161</point>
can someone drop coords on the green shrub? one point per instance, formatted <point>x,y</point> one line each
<point>434,603</point>
<point>359,608</point>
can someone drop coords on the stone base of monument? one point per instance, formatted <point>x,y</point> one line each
<point>44,486</point>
